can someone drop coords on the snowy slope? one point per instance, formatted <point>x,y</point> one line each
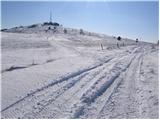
<point>67,75</point>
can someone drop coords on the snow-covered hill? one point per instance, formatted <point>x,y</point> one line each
<point>50,73</point>
<point>56,28</point>
<point>47,27</point>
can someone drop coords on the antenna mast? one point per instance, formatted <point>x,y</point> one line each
<point>50,16</point>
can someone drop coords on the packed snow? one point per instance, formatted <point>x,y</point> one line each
<point>49,73</point>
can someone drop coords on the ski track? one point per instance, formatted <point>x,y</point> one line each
<point>77,95</point>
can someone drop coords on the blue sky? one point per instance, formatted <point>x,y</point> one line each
<point>127,19</point>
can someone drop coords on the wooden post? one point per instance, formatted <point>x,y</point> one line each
<point>102,46</point>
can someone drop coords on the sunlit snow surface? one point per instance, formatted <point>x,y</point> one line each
<point>56,75</point>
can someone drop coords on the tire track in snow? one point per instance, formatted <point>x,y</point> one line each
<point>98,89</point>
<point>54,92</point>
<point>88,70</point>
<point>72,75</point>
<point>68,98</point>
<point>122,78</point>
<point>87,78</point>
<point>123,110</point>
<point>53,96</point>
<point>57,82</point>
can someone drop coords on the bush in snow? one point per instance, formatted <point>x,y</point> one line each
<point>32,26</point>
<point>119,38</point>
<point>81,32</point>
<point>54,29</point>
<point>3,29</point>
<point>56,24</point>
<point>51,23</point>
<point>65,31</point>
